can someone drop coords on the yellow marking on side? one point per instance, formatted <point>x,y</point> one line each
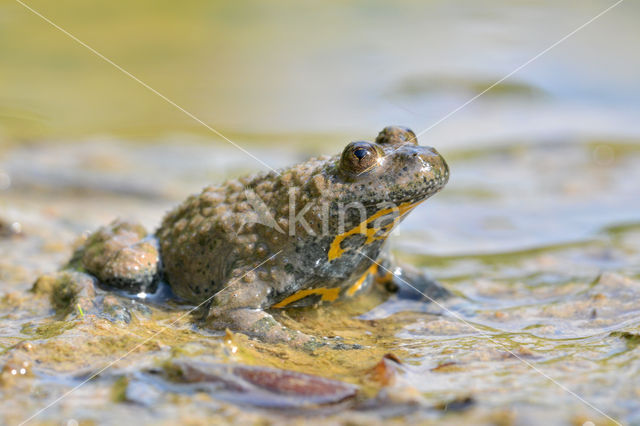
<point>387,277</point>
<point>356,286</point>
<point>328,294</point>
<point>335,251</point>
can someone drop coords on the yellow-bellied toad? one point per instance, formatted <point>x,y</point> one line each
<point>312,232</point>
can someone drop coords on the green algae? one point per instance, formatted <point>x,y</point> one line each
<point>119,389</point>
<point>633,339</point>
<point>433,85</point>
<point>621,229</point>
<point>47,329</point>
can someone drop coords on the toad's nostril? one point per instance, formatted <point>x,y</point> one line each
<point>415,154</point>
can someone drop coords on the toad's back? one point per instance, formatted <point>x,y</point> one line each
<point>215,236</point>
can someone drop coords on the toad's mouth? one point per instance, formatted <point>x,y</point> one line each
<point>416,198</point>
<point>427,191</point>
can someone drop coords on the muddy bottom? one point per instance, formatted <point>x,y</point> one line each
<point>539,243</point>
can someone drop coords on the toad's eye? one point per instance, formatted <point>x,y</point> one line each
<point>360,153</point>
<point>394,135</point>
<point>359,157</point>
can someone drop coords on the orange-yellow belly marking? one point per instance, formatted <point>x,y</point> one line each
<point>356,286</point>
<point>335,251</point>
<point>328,294</point>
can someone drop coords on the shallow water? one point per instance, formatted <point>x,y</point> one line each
<point>537,233</point>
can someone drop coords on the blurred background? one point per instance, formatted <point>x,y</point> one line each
<point>543,197</point>
<point>348,67</point>
<point>287,80</point>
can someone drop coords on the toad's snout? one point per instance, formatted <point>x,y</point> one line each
<point>427,162</point>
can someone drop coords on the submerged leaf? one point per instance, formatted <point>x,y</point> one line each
<point>260,386</point>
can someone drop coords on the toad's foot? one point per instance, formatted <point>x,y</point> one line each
<point>264,327</point>
<point>121,255</point>
<point>409,283</point>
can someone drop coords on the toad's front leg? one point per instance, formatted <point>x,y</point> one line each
<point>240,307</point>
